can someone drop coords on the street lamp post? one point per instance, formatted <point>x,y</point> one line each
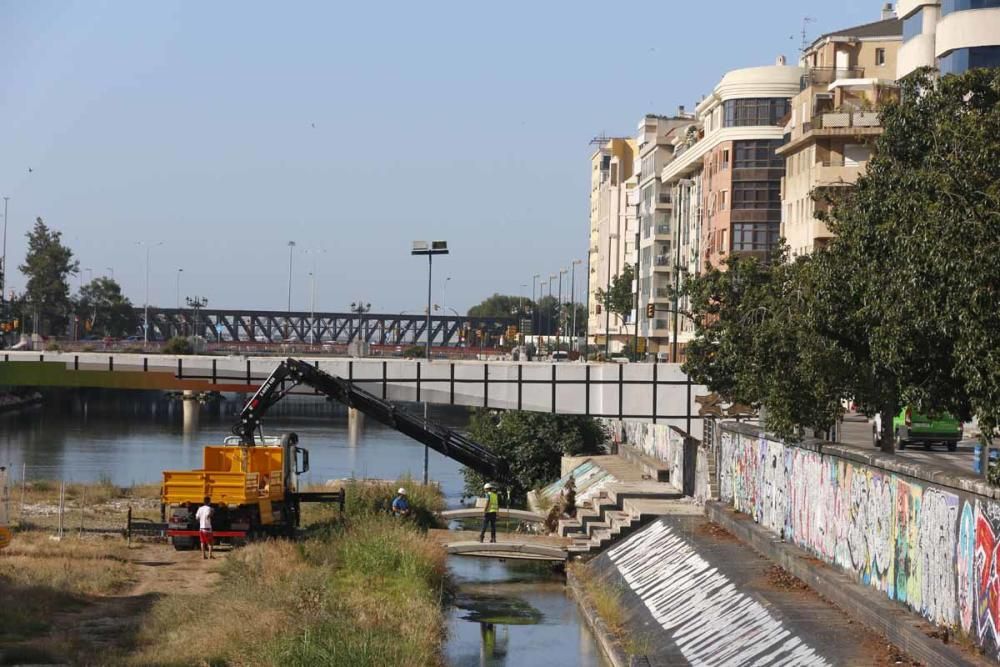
<point>535,314</point>
<point>552,278</point>
<point>430,249</point>
<point>3,261</point>
<point>291,247</point>
<point>607,311</point>
<point>444,295</point>
<point>312,308</point>
<point>559,312</point>
<point>572,298</point>
<point>110,269</point>
<point>145,308</point>
<point>179,272</point>
<point>360,308</point>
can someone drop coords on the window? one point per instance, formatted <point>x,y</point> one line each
<point>755,111</point>
<point>757,154</point>
<point>962,60</point>
<point>725,159</point>
<point>949,6</point>
<point>722,199</point>
<point>757,195</point>
<point>880,57</point>
<point>755,236</point>
<point>913,25</point>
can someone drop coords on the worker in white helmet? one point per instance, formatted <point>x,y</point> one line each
<point>401,506</point>
<point>491,508</point>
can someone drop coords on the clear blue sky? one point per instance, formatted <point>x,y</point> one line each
<point>225,129</point>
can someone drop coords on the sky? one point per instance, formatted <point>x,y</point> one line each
<point>223,130</point>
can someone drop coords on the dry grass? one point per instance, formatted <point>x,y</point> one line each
<point>100,504</point>
<point>44,577</point>
<point>606,601</point>
<point>360,590</point>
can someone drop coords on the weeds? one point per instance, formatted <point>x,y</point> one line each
<point>362,589</point>
<point>606,601</point>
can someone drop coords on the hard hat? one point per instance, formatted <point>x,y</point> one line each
<point>401,491</point>
<point>487,485</point>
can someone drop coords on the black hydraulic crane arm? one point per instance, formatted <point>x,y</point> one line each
<point>293,372</point>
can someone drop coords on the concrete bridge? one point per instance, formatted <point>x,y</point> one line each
<point>503,515</point>
<point>653,392</point>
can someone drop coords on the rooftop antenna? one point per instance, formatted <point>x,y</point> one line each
<point>806,20</point>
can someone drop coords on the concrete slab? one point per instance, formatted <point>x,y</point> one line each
<point>696,595</point>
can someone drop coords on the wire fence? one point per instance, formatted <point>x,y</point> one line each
<point>66,507</point>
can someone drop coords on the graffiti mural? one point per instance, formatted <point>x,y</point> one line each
<point>934,549</point>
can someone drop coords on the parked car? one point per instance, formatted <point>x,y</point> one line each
<point>560,355</point>
<point>619,359</point>
<point>912,428</point>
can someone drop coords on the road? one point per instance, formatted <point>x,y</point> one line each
<point>856,431</point>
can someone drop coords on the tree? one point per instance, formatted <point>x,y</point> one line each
<point>47,266</point>
<point>500,305</point>
<point>533,444</point>
<point>900,308</point>
<point>105,310</point>
<point>620,299</point>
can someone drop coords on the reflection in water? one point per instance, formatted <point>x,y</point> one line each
<point>514,613</point>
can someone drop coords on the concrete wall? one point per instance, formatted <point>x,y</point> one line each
<point>922,538</point>
<point>666,444</point>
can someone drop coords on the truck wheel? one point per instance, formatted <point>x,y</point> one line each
<point>952,446</point>
<point>900,443</point>
<point>927,446</point>
<point>183,543</point>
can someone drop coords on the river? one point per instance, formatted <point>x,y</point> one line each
<point>504,613</point>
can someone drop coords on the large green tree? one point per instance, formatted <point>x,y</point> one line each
<point>108,312</point>
<point>533,444</point>
<point>900,308</point>
<point>47,266</point>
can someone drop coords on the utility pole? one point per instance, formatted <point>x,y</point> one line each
<point>291,247</point>
<point>312,308</point>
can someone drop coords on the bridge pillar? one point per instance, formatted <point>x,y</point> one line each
<point>355,426</point>
<point>192,411</point>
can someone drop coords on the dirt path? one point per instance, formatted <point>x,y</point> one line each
<point>108,625</point>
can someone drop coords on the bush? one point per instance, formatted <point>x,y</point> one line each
<point>178,345</point>
<point>415,352</point>
<point>52,346</point>
<point>532,444</point>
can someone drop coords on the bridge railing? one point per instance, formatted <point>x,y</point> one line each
<point>655,392</point>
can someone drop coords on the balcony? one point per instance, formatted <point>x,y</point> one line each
<point>663,293</point>
<point>824,76</point>
<point>845,119</point>
<point>663,230</point>
<point>838,172</point>
<point>661,261</point>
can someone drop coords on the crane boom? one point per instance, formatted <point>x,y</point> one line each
<point>291,373</point>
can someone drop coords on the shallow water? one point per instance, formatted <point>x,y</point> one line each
<point>514,613</point>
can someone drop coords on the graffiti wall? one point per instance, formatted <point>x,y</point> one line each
<point>930,547</point>
<point>666,444</point>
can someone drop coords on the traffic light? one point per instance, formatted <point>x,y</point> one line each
<point>650,311</point>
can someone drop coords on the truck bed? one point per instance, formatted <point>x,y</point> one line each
<point>222,488</point>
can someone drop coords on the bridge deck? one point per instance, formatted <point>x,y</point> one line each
<point>511,546</point>
<point>503,515</point>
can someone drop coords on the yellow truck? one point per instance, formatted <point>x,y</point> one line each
<point>253,490</point>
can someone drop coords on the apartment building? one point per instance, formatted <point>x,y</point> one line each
<point>833,122</point>
<point>613,228</point>
<point>724,177</point>
<point>655,265</point>
<point>952,35</point>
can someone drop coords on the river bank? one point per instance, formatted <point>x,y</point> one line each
<point>357,589</point>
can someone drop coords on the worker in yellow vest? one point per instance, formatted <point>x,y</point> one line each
<point>490,512</point>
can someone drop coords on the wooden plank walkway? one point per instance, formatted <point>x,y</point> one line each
<point>510,546</point>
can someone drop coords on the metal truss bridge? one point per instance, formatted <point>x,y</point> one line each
<point>266,326</point>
